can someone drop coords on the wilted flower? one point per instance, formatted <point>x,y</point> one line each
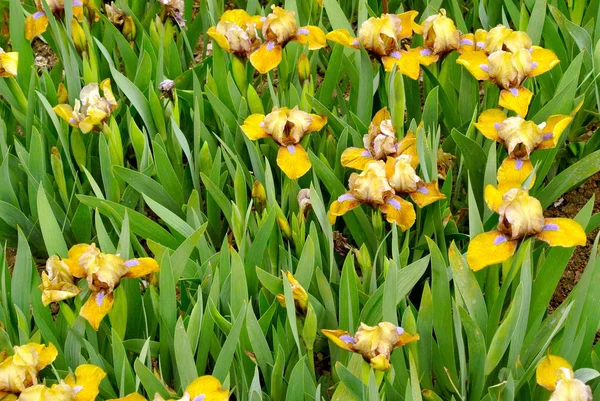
<point>440,34</point>
<point>103,273</point>
<point>204,388</point>
<point>556,374</point>
<point>9,61</point>
<point>304,203</point>
<point>374,344</point>
<point>37,23</point>
<point>166,87</point>
<point>236,32</point>
<point>520,216</point>
<point>444,162</point>
<point>91,110</point>
<point>371,187</point>
<point>382,38</point>
<point>278,29</point>
<point>286,127</point>
<point>506,58</point>
<point>19,371</point>
<point>174,9</point>
<point>114,14</point>
<point>57,282</point>
<point>299,294</point>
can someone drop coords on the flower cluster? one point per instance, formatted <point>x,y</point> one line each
<point>37,23</point>
<point>19,372</point>
<point>204,388</point>
<point>389,170</point>
<point>103,273</point>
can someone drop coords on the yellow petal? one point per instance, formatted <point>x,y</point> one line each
<point>35,25</point>
<point>357,158</point>
<point>237,16</point>
<point>9,62</point>
<point>382,115</point>
<point>406,338</point>
<point>426,56</point>
<point>317,123</point>
<point>219,38</point>
<point>487,123</point>
<point>341,338</point>
<point>488,249</point>
<point>543,60</point>
<point>408,24</point>
<point>516,99</point>
<point>562,232</point>
<point>253,127</point>
<point>513,173</point>
<point>97,306</point>
<point>312,35</point>
<point>548,371</point>
<point>130,397</point>
<point>467,43</point>
<point>88,382</point>
<point>473,60</point>
<point>65,112</point>
<point>343,37</point>
<point>555,126</point>
<point>493,197</point>
<point>141,267</point>
<point>78,13</point>
<point>293,161</point>
<point>427,194</point>
<point>407,62</point>
<point>343,204</point>
<point>380,362</point>
<point>46,355</point>
<point>7,397</point>
<point>108,93</point>
<point>266,58</point>
<point>399,212</point>
<point>208,386</point>
<point>408,146</point>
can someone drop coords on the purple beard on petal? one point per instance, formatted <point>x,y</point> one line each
<point>500,239</point>
<point>38,14</point>
<point>423,190</point>
<point>395,55</point>
<point>519,164</point>
<point>399,330</point>
<point>100,298</point>
<point>270,46</point>
<point>347,339</point>
<point>366,153</point>
<point>514,91</point>
<point>132,263</point>
<point>467,42</point>
<point>345,197</point>
<point>303,31</point>
<point>550,227</point>
<point>395,204</point>
<point>291,149</point>
<point>547,136</point>
<point>426,52</point>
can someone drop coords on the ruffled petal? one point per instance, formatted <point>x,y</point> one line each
<point>9,62</point>
<point>219,38</point>
<point>513,173</point>
<point>406,61</point>
<point>253,127</point>
<point>65,112</point>
<point>293,161</point>
<point>555,126</point>
<point>357,158</point>
<point>493,197</point>
<point>141,267</point>
<point>427,194</point>
<point>208,386</point>
<point>97,306</point>
<point>380,362</point>
<point>473,61</point>
<point>266,58</point>
<point>562,232</point>
<point>516,99</point>
<point>56,292</point>
<point>488,122</point>
<point>408,146</point>
<point>341,338</point>
<point>406,338</point>
<point>343,204</point>
<point>317,123</point>
<point>488,249</point>
<point>312,35</point>
<point>543,60</point>
<point>35,25</point>
<point>343,37</point>
<point>548,373</point>
<point>399,212</point>
<point>426,56</point>
<point>87,383</point>
<point>408,24</point>
<point>382,115</point>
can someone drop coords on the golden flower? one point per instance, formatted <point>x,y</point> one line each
<point>204,388</point>
<point>382,36</point>
<point>57,282</point>
<point>37,23</point>
<point>19,371</point>
<point>503,38</point>
<point>380,143</point>
<point>86,382</point>
<point>236,32</point>
<point>520,215</point>
<point>371,187</point>
<point>374,343</point>
<point>522,137</point>
<point>9,62</point>
<point>556,374</point>
<point>286,127</point>
<point>278,29</point>
<point>299,294</point>
<point>58,392</point>
<point>91,110</point>
<point>103,273</point>
<point>440,33</point>
<point>473,42</point>
<point>403,179</point>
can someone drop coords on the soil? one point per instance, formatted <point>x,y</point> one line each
<point>44,55</point>
<point>568,206</point>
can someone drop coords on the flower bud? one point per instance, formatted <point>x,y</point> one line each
<point>61,94</point>
<point>284,226</point>
<point>78,35</point>
<point>59,173</point>
<point>129,28</point>
<point>303,68</point>
<point>259,194</point>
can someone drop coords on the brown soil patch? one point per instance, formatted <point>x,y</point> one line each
<point>568,206</point>
<point>44,55</point>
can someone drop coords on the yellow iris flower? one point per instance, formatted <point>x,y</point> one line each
<point>278,29</point>
<point>440,33</point>
<point>103,273</point>
<point>298,292</point>
<point>519,136</point>
<point>286,127</point>
<point>9,62</point>
<point>520,216</point>
<point>91,110</point>
<point>380,143</point>
<point>507,58</point>
<point>236,32</point>
<point>20,371</point>
<point>374,343</point>
<point>556,374</point>
<point>371,187</point>
<point>403,178</point>
<point>204,388</point>
<point>37,23</point>
<point>57,282</point>
<point>382,38</point>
